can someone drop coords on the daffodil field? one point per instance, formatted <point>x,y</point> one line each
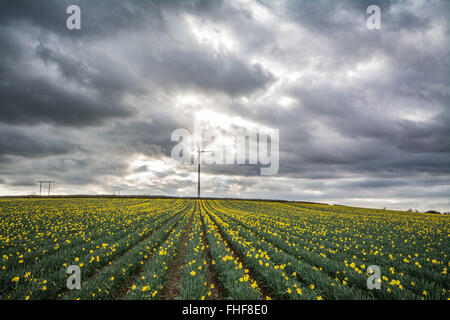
<point>156,249</point>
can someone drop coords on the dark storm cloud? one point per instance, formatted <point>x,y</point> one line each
<point>149,136</point>
<point>34,97</point>
<point>229,74</point>
<point>18,142</point>
<point>401,182</point>
<point>87,92</point>
<point>345,112</point>
<point>100,17</point>
<point>86,170</point>
<point>328,16</point>
<point>109,81</point>
<point>22,183</point>
<point>34,101</point>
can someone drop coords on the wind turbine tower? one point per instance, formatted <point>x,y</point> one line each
<point>199,160</point>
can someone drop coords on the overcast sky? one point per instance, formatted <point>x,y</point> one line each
<point>363,114</point>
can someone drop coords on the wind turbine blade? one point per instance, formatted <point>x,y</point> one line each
<point>198,147</point>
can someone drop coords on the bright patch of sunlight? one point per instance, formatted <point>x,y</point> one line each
<point>217,37</point>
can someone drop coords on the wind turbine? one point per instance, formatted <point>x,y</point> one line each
<point>199,160</point>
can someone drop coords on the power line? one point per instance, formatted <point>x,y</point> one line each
<point>44,182</point>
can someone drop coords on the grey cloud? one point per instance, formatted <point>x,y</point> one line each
<point>15,141</point>
<point>68,170</point>
<point>140,169</point>
<point>229,74</point>
<point>33,98</point>
<point>44,103</point>
<point>328,16</point>
<point>99,18</point>
<point>149,136</point>
<point>22,183</point>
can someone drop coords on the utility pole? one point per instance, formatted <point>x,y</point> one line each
<point>49,186</point>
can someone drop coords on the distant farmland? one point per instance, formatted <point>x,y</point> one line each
<point>217,249</point>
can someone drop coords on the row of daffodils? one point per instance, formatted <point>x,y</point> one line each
<point>219,249</point>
